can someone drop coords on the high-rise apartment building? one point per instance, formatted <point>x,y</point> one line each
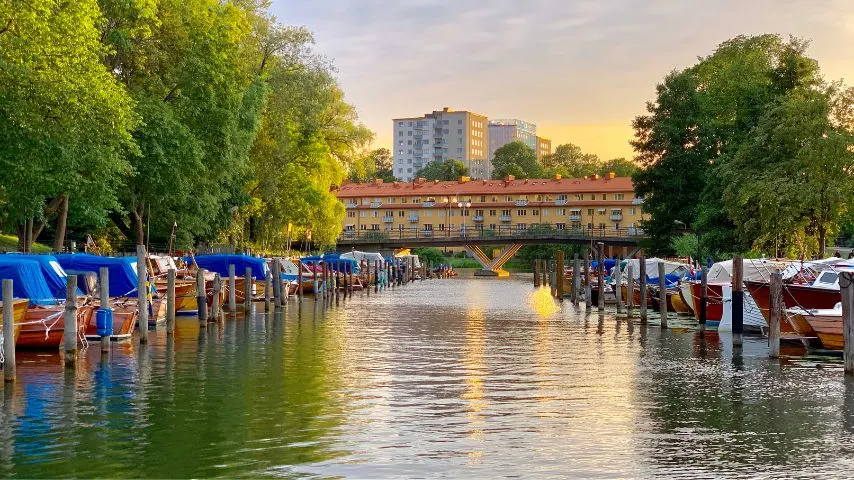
<point>543,148</point>
<point>441,135</point>
<point>504,131</point>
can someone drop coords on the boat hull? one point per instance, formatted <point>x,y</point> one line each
<point>803,296</point>
<point>44,328</point>
<point>828,329</point>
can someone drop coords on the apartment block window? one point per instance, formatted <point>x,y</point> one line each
<point>482,198</point>
<point>601,226</point>
<point>426,141</point>
<point>604,196</point>
<point>404,200</point>
<point>560,226</point>
<point>561,212</point>
<point>460,121</point>
<point>441,226</point>
<point>409,133</point>
<point>375,214</point>
<point>590,226</point>
<point>409,170</point>
<point>410,151</point>
<point>619,196</point>
<point>632,211</point>
<point>508,198</point>
<point>590,212</point>
<point>535,212</point>
<point>505,212</point>
<point>445,131</point>
<point>363,227</point>
<point>428,213</point>
<point>400,132</point>
<point>408,142</point>
<point>400,142</point>
<point>459,131</point>
<point>545,212</point>
<point>492,226</point>
<point>428,227</point>
<point>375,226</point>
<point>400,152</point>
<point>579,196</point>
<point>492,213</point>
<point>522,213</point>
<point>410,124</point>
<point>444,122</point>
<point>351,214</point>
<point>362,215</point>
<point>401,213</point>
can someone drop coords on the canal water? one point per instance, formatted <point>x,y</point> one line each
<point>441,378</point>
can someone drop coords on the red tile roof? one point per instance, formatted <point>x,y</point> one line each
<point>486,187</point>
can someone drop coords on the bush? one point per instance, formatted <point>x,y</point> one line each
<point>429,254</point>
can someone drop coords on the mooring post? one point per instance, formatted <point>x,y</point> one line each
<point>268,287</point>
<point>368,282</point>
<point>8,330</point>
<point>643,294</point>
<point>70,317</point>
<point>104,279</point>
<point>775,313</point>
<point>170,302</point>
<point>277,286</point>
<point>142,293</point>
<point>704,298</point>
<point>247,291</point>
<point>217,289</point>
<point>600,251</point>
<point>662,295</point>
<point>232,288</point>
<point>376,276</point>
<point>283,285</point>
<point>737,301</point>
<point>536,272</point>
<point>576,279</point>
<point>316,279</point>
<point>618,288</point>
<point>201,296</point>
<point>299,279</point>
<point>846,282</point>
<point>588,290</point>
<point>630,288</point>
<point>559,273</point>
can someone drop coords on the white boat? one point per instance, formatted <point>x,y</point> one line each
<point>753,319</point>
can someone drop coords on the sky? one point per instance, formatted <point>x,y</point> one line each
<point>580,69</point>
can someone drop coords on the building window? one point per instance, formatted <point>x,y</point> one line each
<point>561,212</point>
<point>400,133</point>
<point>351,214</point>
<point>441,226</point>
<point>632,211</point>
<point>375,214</point>
<point>522,213</point>
<point>362,215</point>
<point>444,122</point>
<point>401,213</point>
<point>535,212</point>
<point>560,226</point>
<point>545,212</point>
<point>579,196</point>
<point>408,142</point>
<point>428,213</point>
<point>459,131</point>
<point>604,196</point>
<point>492,213</point>
<point>428,227</point>
<point>590,212</point>
<point>619,196</point>
<point>410,124</point>
<point>505,212</point>
<point>409,133</point>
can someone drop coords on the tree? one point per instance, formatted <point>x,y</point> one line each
<point>375,164</point>
<point>570,161</point>
<point>64,121</point>
<point>619,166</point>
<point>517,159</point>
<point>448,170</point>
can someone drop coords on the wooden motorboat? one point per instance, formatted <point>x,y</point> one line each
<point>124,323</point>
<point>19,312</point>
<point>825,323</point>
<point>677,303</point>
<point>44,327</point>
<point>802,296</point>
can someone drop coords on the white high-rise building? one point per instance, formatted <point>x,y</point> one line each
<point>441,135</point>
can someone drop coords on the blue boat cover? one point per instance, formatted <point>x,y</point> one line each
<point>27,281</point>
<point>334,260</point>
<point>52,271</point>
<point>218,263</point>
<point>122,270</point>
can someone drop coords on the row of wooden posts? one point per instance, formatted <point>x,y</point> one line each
<point>551,274</point>
<point>276,294</point>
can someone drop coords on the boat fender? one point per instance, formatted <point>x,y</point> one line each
<point>104,321</point>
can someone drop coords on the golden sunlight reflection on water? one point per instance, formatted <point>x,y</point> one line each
<point>542,303</point>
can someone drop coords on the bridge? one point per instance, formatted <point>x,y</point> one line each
<point>512,237</point>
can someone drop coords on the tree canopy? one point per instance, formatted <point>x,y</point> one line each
<point>447,170</point>
<point>743,147</point>
<point>517,159</point>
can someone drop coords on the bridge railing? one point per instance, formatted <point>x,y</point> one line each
<point>509,232</point>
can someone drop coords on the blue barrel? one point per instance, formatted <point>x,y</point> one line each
<point>104,321</point>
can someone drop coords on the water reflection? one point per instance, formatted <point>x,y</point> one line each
<point>464,377</point>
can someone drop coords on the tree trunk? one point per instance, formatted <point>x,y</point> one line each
<point>140,226</point>
<point>28,248</point>
<point>61,220</point>
<point>49,210</point>
<point>21,230</point>
<point>822,233</point>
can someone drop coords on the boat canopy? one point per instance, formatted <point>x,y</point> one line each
<point>759,270</point>
<point>53,273</point>
<point>218,263</point>
<point>405,257</point>
<point>27,281</point>
<point>122,270</point>
<point>672,270</point>
<point>363,256</point>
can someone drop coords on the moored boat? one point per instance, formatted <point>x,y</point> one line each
<point>826,323</point>
<point>19,312</point>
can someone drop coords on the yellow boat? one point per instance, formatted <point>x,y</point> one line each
<point>19,312</point>
<point>679,305</point>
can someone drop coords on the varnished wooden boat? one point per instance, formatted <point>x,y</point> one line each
<point>19,312</point>
<point>677,303</point>
<point>44,327</point>
<point>803,296</point>
<point>124,323</point>
<point>828,328</point>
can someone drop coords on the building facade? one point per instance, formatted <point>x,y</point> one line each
<point>605,204</point>
<point>441,135</point>
<point>504,131</point>
<point>543,148</point>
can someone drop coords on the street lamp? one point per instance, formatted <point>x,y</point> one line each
<point>463,206</point>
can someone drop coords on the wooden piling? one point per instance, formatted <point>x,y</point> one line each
<point>737,300</point>
<point>600,252</point>
<point>376,276</point>
<point>704,299</point>
<point>643,299</point>
<point>536,272</point>
<point>775,314</point>
<point>201,296</point>
<point>70,317</point>
<point>630,289</point>
<point>368,285</point>
<point>299,279</point>
<point>588,289</point>
<point>268,290</point>
<point>217,289</point>
<point>618,288</point>
<point>9,367</point>
<point>232,288</point>
<point>283,286</point>
<point>142,293</point>
<point>846,282</point>
<point>576,279</point>
<point>104,279</point>
<point>662,295</point>
<point>559,274</point>
<point>170,302</point>
<point>247,291</point>
<point>277,285</point>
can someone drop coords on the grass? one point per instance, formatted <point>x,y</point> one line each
<point>9,243</point>
<point>462,262</point>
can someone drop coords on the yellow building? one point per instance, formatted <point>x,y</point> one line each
<point>423,208</point>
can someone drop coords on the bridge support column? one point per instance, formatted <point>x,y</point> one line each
<point>492,267</point>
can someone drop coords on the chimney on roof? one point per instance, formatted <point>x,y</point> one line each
<point>484,181</point>
<point>611,175</point>
<point>526,181</point>
<point>378,181</point>
<point>464,179</point>
<point>557,176</point>
<point>594,177</point>
<point>435,181</point>
<point>509,178</point>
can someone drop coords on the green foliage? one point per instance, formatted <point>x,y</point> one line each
<point>569,161</point>
<point>704,126</point>
<point>684,245</point>
<point>517,159</point>
<point>375,164</point>
<point>429,254</point>
<point>448,170</point>
<point>619,166</point>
